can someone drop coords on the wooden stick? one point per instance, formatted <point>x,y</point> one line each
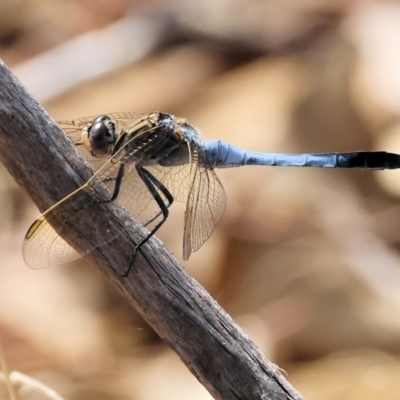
<point>43,161</point>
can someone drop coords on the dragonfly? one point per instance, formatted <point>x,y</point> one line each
<point>157,158</point>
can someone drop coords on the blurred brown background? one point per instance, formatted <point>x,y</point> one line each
<point>306,261</point>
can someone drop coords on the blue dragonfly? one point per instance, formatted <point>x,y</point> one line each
<point>159,158</point>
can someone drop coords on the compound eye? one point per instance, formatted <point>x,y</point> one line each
<point>99,134</point>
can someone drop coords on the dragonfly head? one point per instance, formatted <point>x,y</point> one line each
<point>99,137</point>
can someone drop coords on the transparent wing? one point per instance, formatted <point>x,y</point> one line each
<point>204,208</point>
<point>43,245</point>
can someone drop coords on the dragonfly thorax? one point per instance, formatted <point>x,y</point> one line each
<point>99,137</point>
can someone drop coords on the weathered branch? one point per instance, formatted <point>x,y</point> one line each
<point>45,164</point>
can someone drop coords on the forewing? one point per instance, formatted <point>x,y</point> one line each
<point>43,247</point>
<point>204,208</point>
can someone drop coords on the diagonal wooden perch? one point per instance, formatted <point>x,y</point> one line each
<point>214,348</point>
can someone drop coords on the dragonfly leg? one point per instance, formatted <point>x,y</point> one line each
<point>163,190</point>
<point>118,182</point>
<point>117,185</point>
<point>152,184</point>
